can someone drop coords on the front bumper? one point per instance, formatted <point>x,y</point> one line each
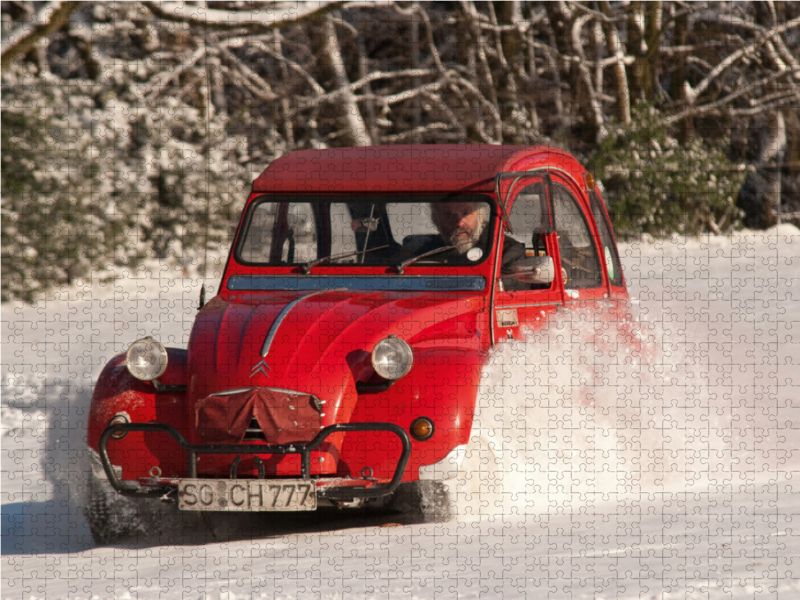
<point>337,489</point>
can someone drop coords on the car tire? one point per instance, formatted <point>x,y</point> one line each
<point>423,501</point>
<point>113,517</point>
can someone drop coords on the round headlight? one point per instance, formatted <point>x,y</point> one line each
<point>392,358</point>
<point>146,359</point>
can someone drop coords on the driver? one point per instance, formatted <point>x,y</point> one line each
<point>461,224</point>
<point>465,226</point>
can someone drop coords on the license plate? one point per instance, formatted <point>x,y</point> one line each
<point>247,495</point>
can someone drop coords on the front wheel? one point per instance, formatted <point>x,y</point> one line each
<point>113,517</point>
<point>422,501</point>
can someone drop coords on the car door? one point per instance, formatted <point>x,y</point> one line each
<point>582,272</point>
<point>530,216</point>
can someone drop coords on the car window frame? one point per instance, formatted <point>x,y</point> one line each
<point>328,198</point>
<point>596,205</point>
<point>593,238</point>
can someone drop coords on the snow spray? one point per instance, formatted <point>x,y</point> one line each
<point>586,411</point>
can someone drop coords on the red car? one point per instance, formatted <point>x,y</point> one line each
<point>339,362</point>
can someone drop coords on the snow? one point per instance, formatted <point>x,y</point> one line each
<point>596,471</point>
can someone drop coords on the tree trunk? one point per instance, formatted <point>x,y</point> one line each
<point>614,48</point>
<point>760,195</point>
<point>333,77</point>
<point>282,103</point>
<point>512,113</point>
<point>636,48</point>
<point>584,98</point>
<point>773,137</point>
<point>416,112</point>
<point>466,57</point>
<point>652,38</point>
<point>677,88</point>
<point>217,81</point>
<point>772,152</point>
<point>485,80</point>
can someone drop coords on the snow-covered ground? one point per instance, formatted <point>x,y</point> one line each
<point>593,474</point>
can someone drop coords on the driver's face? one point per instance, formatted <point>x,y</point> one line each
<point>459,223</point>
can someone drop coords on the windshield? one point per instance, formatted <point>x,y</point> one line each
<point>314,232</point>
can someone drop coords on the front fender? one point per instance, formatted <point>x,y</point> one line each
<point>117,391</point>
<point>443,386</point>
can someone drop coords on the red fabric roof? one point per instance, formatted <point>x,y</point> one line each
<point>417,168</point>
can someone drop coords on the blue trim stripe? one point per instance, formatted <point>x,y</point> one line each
<point>444,283</point>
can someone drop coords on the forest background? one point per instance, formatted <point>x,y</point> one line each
<point>132,131</point>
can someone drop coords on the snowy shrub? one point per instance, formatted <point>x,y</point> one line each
<point>60,217</point>
<point>94,181</point>
<point>654,185</point>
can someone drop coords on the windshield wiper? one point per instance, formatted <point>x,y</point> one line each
<point>310,265</point>
<point>402,266</point>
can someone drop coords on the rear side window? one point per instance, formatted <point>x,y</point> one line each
<point>298,241</point>
<point>529,218</point>
<point>579,263</point>
<point>610,253</point>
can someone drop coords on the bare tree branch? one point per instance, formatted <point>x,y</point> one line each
<point>441,105</point>
<point>316,101</point>
<point>158,84</point>
<point>318,89</point>
<point>590,101</point>
<point>726,101</point>
<point>51,17</point>
<point>733,21</point>
<point>377,75</point>
<point>423,15</point>
<point>260,88</point>
<point>413,134</point>
<point>283,13</point>
<point>730,60</point>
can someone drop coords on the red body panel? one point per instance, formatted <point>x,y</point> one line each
<point>322,346</point>
<point>119,392</point>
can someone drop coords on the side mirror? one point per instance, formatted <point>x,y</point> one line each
<point>535,269</point>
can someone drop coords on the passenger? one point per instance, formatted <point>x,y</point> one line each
<point>465,226</point>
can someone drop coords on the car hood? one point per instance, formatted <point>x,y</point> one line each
<point>319,342</point>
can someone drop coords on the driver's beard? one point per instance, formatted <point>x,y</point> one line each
<point>464,244</point>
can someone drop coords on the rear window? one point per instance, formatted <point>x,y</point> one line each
<point>610,253</point>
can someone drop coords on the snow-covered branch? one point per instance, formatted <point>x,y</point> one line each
<point>280,15</point>
<point>735,56</point>
<point>52,16</point>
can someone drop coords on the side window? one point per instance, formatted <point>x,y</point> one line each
<point>301,243</point>
<point>581,268</point>
<point>281,231</point>
<point>256,245</point>
<point>529,218</point>
<point>343,236</point>
<point>607,241</point>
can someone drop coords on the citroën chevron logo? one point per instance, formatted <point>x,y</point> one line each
<point>260,367</point>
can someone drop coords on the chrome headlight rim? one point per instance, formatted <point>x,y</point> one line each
<point>160,367</point>
<point>395,346</point>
